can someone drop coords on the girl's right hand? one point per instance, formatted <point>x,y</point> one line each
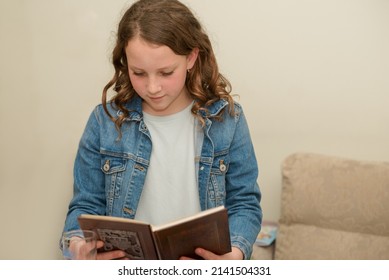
<point>111,255</point>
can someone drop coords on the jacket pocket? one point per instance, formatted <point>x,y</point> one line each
<point>217,186</point>
<point>113,168</point>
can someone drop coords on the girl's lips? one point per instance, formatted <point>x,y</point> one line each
<point>155,98</point>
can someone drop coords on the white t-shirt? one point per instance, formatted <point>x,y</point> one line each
<point>170,190</point>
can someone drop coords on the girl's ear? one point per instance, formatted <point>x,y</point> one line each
<point>191,58</point>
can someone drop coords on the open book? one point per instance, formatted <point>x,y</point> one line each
<point>207,229</point>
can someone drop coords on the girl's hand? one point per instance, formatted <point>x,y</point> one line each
<point>111,255</point>
<point>235,254</point>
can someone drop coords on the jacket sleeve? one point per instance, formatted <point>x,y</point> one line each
<point>88,188</point>
<point>242,191</point>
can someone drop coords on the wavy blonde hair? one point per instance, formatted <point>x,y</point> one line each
<point>170,23</point>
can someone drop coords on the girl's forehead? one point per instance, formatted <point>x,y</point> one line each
<point>142,54</point>
<point>139,48</point>
<point>139,39</point>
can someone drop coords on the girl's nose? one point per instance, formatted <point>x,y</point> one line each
<point>153,86</point>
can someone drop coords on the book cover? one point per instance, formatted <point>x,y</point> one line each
<point>207,229</point>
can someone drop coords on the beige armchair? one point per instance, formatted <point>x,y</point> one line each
<point>331,208</point>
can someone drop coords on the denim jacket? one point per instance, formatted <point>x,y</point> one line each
<point>109,173</point>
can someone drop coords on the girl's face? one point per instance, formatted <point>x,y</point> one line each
<point>158,76</point>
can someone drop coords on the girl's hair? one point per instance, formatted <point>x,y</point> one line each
<point>169,23</point>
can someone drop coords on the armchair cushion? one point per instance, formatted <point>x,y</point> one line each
<point>333,208</point>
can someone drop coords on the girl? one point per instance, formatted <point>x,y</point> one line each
<point>171,142</point>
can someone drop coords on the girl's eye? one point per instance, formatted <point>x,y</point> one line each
<point>139,74</point>
<point>165,74</point>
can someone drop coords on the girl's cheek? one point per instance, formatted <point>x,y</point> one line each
<point>137,85</point>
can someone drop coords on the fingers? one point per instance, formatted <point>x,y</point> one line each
<point>112,255</point>
<point>185,258</point>
<point>206,255</point>
<point>99,244</point>
<point>235,254</point>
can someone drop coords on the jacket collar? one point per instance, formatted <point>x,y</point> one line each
<point>214,108</point>
<point>134,106</point>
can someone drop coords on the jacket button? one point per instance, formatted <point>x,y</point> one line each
<point>106,166</point>
<point>222,166</point>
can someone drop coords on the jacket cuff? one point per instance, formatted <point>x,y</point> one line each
<point>245,246</point>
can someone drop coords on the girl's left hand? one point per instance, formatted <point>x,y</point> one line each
<point>235,254</point>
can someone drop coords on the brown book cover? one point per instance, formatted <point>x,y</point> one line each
<point>207,229</point>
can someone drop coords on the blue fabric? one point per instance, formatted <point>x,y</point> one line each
<point>109,172</point>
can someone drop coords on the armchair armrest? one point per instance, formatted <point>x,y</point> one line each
<point>263,252</point>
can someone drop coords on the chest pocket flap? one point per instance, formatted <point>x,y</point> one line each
<point>110,165</point>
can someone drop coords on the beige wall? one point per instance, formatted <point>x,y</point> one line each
<point>311,75</point>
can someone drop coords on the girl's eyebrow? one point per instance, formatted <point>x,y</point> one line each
<point>134,68</point>
<point>167,67</point>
